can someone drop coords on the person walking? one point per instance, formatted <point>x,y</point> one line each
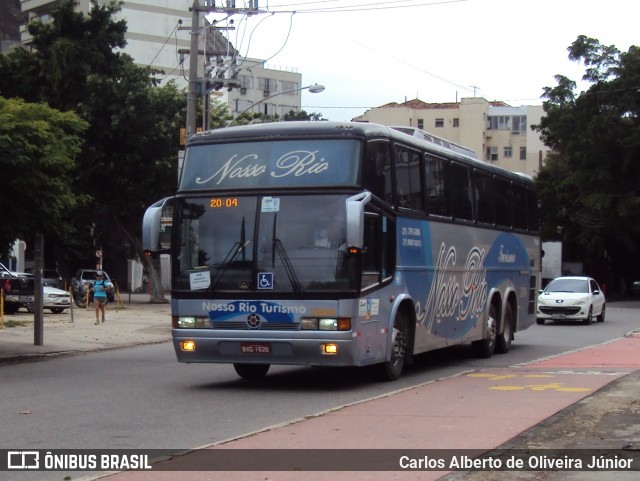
<point>100,289</point>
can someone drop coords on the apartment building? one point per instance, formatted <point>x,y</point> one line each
<point>158,35</point>
<point>498,133</point>
<point>264,89</point>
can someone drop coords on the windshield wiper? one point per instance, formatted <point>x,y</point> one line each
<point>238,247</point>
<point>286,262</point>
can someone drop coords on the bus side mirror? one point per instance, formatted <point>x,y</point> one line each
<point>156,228</point>
<point>355,218</point>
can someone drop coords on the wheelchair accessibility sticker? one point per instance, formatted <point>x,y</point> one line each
<point>265,280</point>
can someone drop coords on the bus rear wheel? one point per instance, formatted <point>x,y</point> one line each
<point>251,371</point>
<point>392,369</point>
<point>485,347</point>
<point>503,343</point>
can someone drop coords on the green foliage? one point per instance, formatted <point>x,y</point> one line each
<point>303,115</point>
<point>589,185</point>
<point>129,156</point>
<point>38,146</point>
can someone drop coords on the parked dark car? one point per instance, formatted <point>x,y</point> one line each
<point>50,277</point>
<point>17,289</point>
<point>83,280</point>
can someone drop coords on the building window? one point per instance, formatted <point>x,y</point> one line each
<point>498,122</point>
<point>292,87</point>
<point>421,123</point>
<point>266,84</point>
<point>439,122</point>
<point>492,154</point>
<point>456,122</point>
<point>508,152</point>
<point>519,124</point>
<point>523,153</point>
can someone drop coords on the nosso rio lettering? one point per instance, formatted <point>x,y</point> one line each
<point>295,164</point>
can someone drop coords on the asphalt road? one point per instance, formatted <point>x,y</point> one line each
<point>142,398</point>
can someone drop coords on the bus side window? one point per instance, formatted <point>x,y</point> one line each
<point>519,206</point>
<point>484,198</point>
<point>408,184</point>
<point>532,209</point>
<point>503,203</point>
<point>377,260</point>
<point>376,171</point>
<point>461,192</point>
<point>436,186</point>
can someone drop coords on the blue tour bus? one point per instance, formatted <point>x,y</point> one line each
<point>343,244</point>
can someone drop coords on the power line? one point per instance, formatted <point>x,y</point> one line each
<point>369,7</point>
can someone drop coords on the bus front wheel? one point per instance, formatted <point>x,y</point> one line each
<point>251,371</point>
<point>392,369</point>
<point>485,347</point>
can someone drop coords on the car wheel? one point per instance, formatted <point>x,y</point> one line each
<point>80,300</point>
<point>589,318</point>
<point>251,371</point>
<point>503,342</point>
<point>11,307</point>
<point>600,318</point>
<point>540,321</point>
<point>57,310</point>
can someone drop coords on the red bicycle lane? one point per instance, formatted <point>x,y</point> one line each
<point>474,410</point>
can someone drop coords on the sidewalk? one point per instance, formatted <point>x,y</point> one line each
<point>135,321</point>
<point>588,399</point>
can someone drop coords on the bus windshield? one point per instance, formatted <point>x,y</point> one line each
<point>286,243</point>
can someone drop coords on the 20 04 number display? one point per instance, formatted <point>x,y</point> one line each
<point>217,203</point>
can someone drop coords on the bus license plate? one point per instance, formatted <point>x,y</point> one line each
<point>255,348</point>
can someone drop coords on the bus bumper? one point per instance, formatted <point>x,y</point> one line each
<point>200,346</point>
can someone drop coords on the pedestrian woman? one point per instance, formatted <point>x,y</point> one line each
<point>100,289</point>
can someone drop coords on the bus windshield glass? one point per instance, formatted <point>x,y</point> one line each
<point>284,243</point>
<point>282,163</point>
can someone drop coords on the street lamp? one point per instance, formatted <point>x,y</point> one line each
<point>314,89</point>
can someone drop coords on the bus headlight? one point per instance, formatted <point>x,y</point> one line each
<point>328,324</point>
<point>186,322</point>
<point>325,324</point>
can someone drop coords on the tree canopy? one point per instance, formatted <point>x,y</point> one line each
<point>38,146</point>
<point>129,156</point>
<point>590,184</point>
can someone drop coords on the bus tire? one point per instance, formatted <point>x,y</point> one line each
<point>251,371</point>
<point>503,342</point>
<point>484,348</point>
<point>392,369</point>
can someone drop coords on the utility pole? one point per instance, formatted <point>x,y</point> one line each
<point>202,87</point>
<point>192,95</point>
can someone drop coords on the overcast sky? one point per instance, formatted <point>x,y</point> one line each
<point>437,51</point>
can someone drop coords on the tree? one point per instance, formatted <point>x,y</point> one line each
<point>38,147</point>
<point>129,158</point>
<point>303,115</point>
<point>10,19</point>
<point>589,185</point>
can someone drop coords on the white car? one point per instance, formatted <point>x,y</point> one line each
<point>571,298</point>
<point>54,299</point>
